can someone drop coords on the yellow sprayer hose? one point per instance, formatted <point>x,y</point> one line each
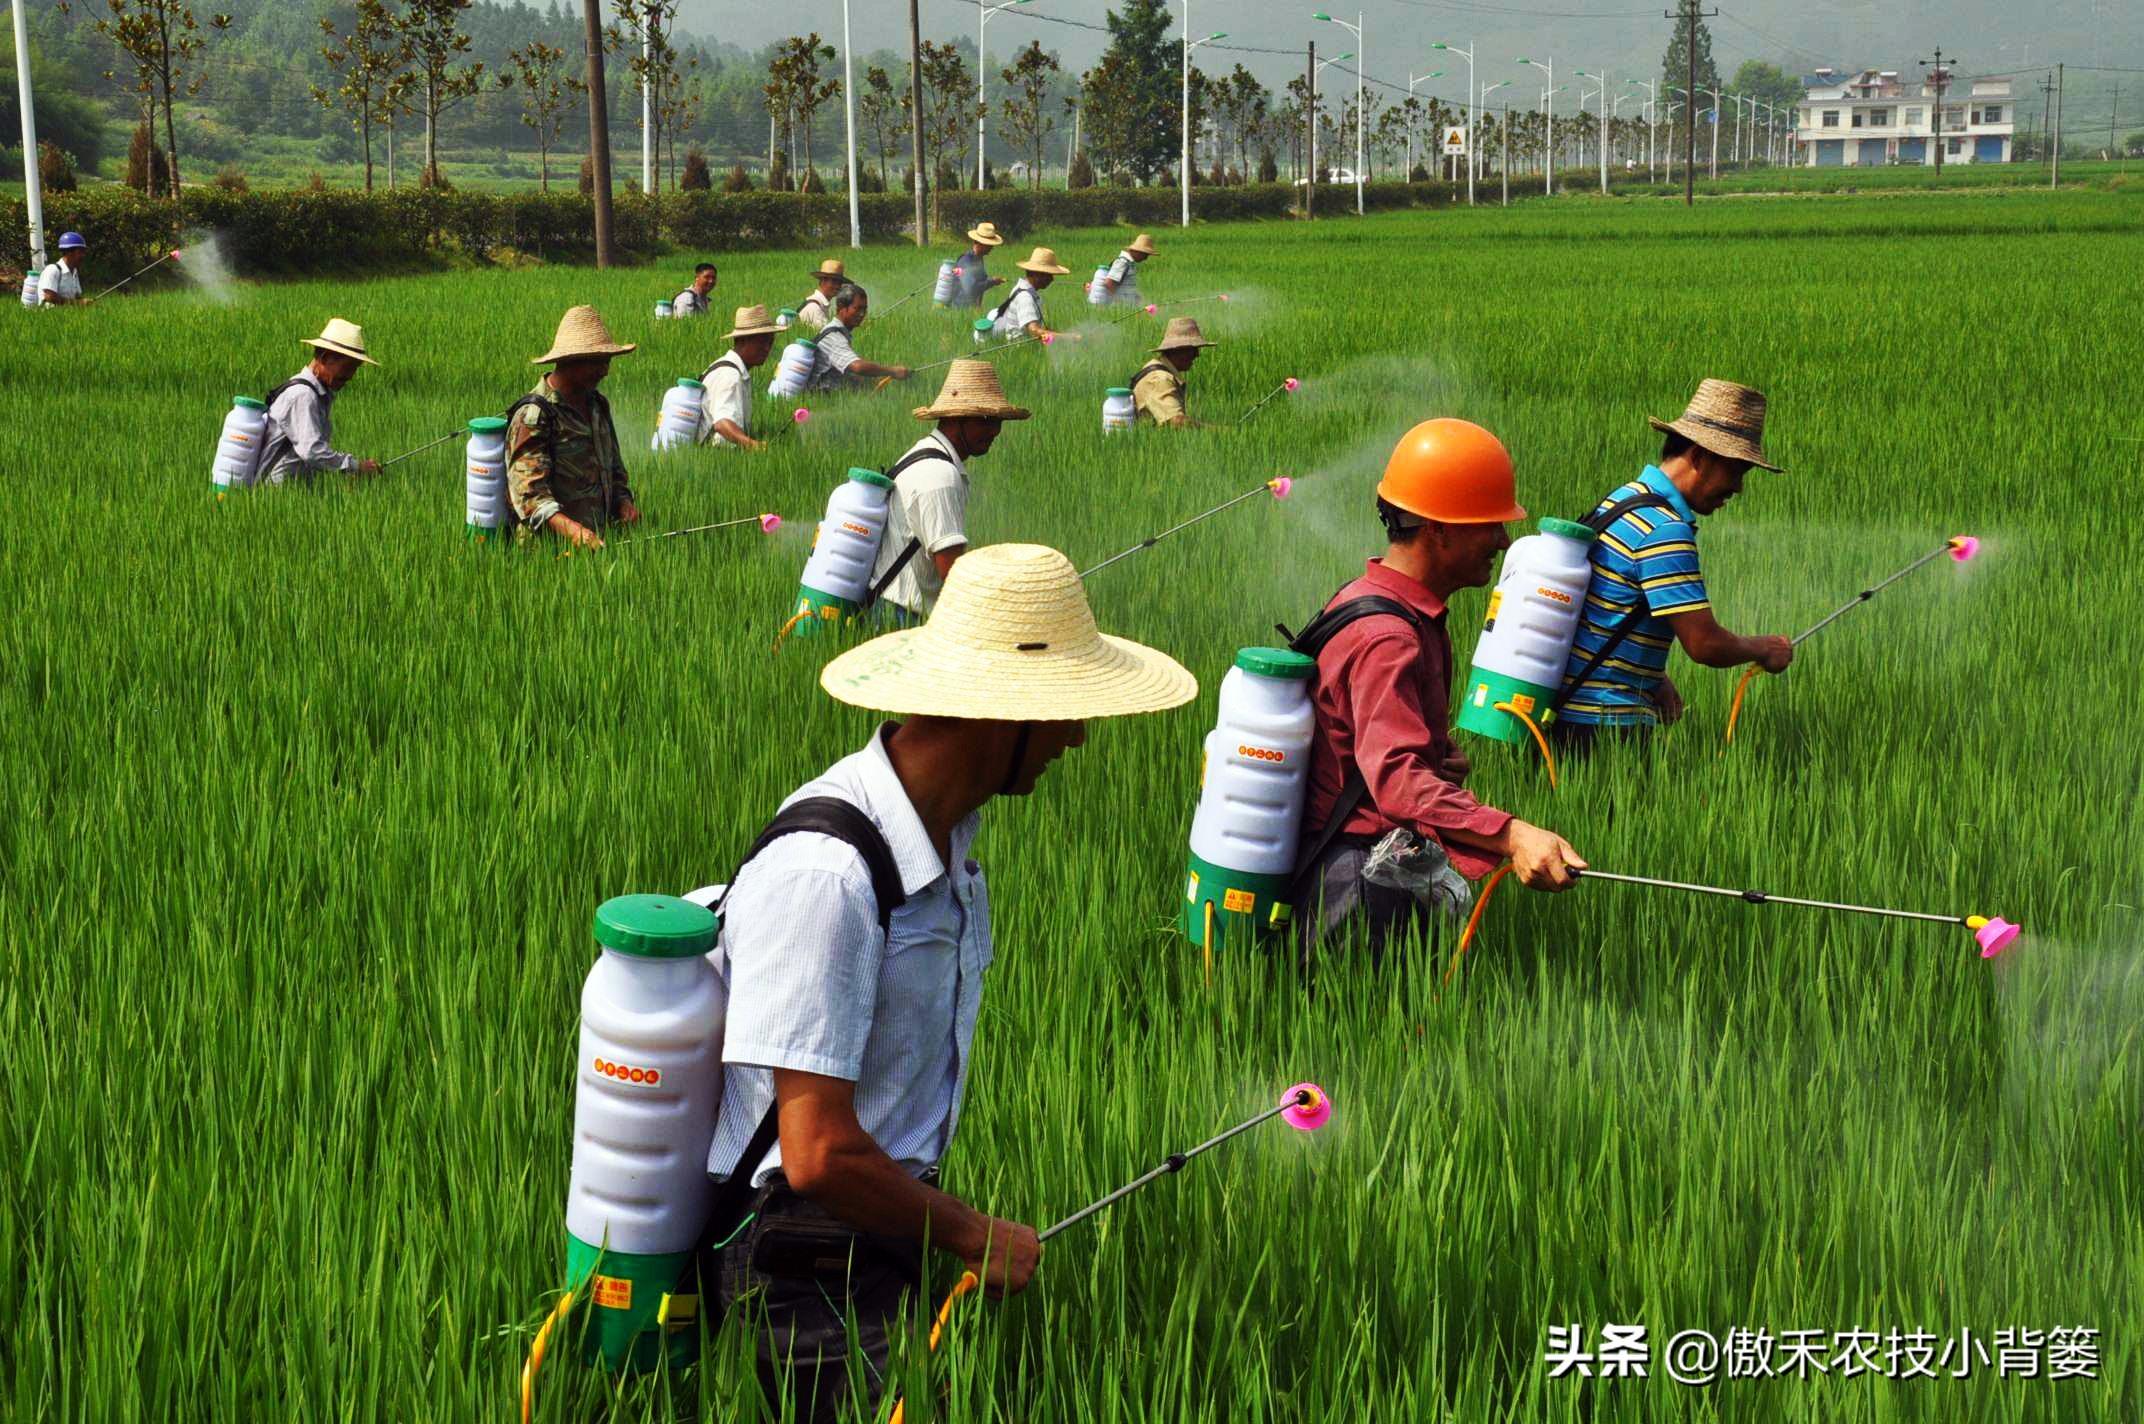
<point>1734,708</point>
<point>1481,903</point>
<point>795,618</point>
<point>536,1353</point>
<point>1548,758</point>
<point>961,1287</point>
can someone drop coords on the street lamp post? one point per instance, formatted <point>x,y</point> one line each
<point>1473,114</point>
<point>1323,65</point>
<point>1548,108</point>
<point>1183,120</point>
<point>1411,82</point>
<point>1355,30</point>
<point>1601,79</point>
<point>848,103</point>
<point>1715,161</point>
<point>1652,122</point>
<point>982,75</point>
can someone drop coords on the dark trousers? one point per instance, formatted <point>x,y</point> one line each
<point>1335,905</point>
<point>799,1275</point>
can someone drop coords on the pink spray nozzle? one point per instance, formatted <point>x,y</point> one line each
<point>1964,546</point>
<point>174,254</point>
<point>1280,485</point>
<point>1148,308</point>
<point>801,415</point>
<point>768,523</point>
<point>1223,296</point>
<point>1309,1109</point>
<point>1290,384</point>
<point>1048,337</point>
<point>1994,936</point>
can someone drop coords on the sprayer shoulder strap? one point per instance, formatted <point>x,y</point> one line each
<point>1149,369</point>
<point>727,358</point>
<point>277,440</point>
<point>1599,522</point>
<point>847,823</point>
<point>914,546</point>
<point>1310,642</point>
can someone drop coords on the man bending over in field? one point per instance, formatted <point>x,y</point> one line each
<point>839,366</point>
<point>1648,590</point>
<point>856,952</point>
<point>1159,388</point>
<point>1391,835</point>
<point>565,472</point>
<point>727,406</point>
<point>301,428</point>
<point>927,518</point>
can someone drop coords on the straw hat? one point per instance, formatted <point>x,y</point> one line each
<point>1043,260</point>
<point>752,321</point>
<point>344,338</point>
<point>971,388</point>
<point>1143,245</point>
<point>986,234</point>
<point>1182,333</point>
<point>832,267</point>
<point>1011,640</point>
<point>1724,418</point>
<point>581,332</point>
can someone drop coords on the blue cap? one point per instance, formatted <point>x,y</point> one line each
<point>71,240</point>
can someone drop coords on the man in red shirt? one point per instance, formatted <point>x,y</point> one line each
<point>1392,835</point>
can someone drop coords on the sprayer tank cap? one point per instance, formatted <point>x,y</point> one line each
<point>1120,390</point>
<point>656,926</point>
<point>1276,662</point>
<point>249,403</point>
<point>487,425</point>
<point>689,384</point>
<point>869,477</point>
<point>1568,529</point>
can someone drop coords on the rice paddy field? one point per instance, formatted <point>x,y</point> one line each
<point>309,802</point>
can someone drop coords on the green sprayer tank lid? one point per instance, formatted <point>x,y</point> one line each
<point>1568,528</point>
<point>655,926</point>
<point>869,477</point>
<point>984,323</point>
<point>249,403</point>
<point>688,383</point>
<point>789,311</point>
<point>487,425</point>
<point>1275,662</point>
<point>1120,390</point>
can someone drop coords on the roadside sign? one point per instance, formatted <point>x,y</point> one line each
<point>1455,141</point>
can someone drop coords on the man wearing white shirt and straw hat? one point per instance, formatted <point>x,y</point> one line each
<point>301,431</point>
<point>1021,312</point>
<point>849,1038</point>
<point>927,518</point>
<point>1121,282</point>
<point>727,406</point>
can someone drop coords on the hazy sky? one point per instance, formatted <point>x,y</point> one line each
<point>1628,35</point>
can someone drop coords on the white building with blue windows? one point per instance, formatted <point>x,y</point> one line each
<point>1874,119</point>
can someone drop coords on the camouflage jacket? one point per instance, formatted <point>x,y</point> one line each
<point>573,467</point>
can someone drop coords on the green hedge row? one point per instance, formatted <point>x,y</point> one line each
<point>294,231</point>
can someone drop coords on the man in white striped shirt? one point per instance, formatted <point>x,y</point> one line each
<point>861,1035</point>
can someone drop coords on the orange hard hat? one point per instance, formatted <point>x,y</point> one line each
<point>1452,471</point>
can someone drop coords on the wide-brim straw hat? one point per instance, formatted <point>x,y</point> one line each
<point>831,267</point>
<point>1183,334</point>
<point>1043,260</point>
<point>1142,244</point>
<point>1010,640</point>
<point>1724,418</point>
<point>581,332</point>
<point>751,321</point>
<point>344,338</point>
<point>986,234</point>
<point>971,388</point>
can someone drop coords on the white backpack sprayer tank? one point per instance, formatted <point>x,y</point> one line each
<point>837,576</point>
<point>799,359</point>
<point>1246,832</point>
<point>984,327</point>
<point>663,309</point>
<point>490,516</point>
<point>647,1087</point>
<point>1118,412</point>
<point>31,295</point>
<point>785,318</point>
<point>942,292</point>
<point>680,420</point>
<point>1525,646</point>
<point>238,448</point>
<point>1097,294</point>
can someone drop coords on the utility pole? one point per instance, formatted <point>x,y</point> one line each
<point>647,109</point>
<point>2055,174</point>
<point>848,100</point>
<point>32,186</point>
<point>1310,144</point>
<point>1503,163</point>
<point>598,132</point>
<point>1689,15</point>
<point>915,110</point>
<point>1941,79</point>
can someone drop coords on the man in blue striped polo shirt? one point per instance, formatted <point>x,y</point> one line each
<point>1648,587</point>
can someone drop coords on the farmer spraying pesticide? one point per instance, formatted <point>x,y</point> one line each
<point>838,366</point>
<point>1118,284</point>
<point>692,301</point>
<point>1648,590</point>
<point>1159,389</point>
<point>856,960</point>
<point>1020,314</point>
<point>726,409</point>
<point>565,472</point>
<point>1391,837</point>
<point>60,284</point>
<point>818,308</point>
<point>300,439</point>
<point>967,279</point>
